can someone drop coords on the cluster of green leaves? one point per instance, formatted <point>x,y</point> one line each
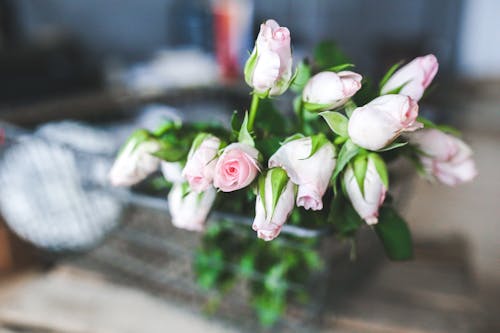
<point>275,272</point>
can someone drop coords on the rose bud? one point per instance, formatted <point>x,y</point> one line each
<point>135,160</point>
<point>366,205</point>
<point>416,76</point>
<point>236,167</point>
<point>172,171</point>
<point>445,157</point>
<point>329,90</point>
<point>201,160</point>
<point>376,124</point>
<point>310,172</point>
<point>189,210</point>
<point>269,68</point>
<point>275,201</point>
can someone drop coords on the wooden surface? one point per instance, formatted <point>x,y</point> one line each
<point>434,293</point>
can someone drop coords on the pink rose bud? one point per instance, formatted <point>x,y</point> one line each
<point>270,212</point>
<point>172,171</point>
<point>376,124</point>
<point>200,165</point>
<point>135,161</point>
<point>310,172</point>
<point>366,205</point>
<point>416,77</point>
<point>329,90</point>
<point>189,210</point>
<point>236,167</point>
<point>445,157</point>
<point>269,68</point>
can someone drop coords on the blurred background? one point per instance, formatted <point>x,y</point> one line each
<point>77,76</point>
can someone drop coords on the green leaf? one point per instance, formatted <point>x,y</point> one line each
<point>341,67</point>
<point>327,54</point>
<point>347,152</point>
<point>136,138</point>
<point>444,128</point>
<point>393,145</point>
<point>380,167</point>
<point>397,90</point>
<point>336,121</point>
<point>394,234</point>
<point>301,76</point>
<point>349,107</point>
<point>244,136</point>
<point>389,73</point>
<point>294,137</point>
<point>198,140</point>
<point>262,191</point>
<point>249,67</point>
<point>315,107</point>
<point>279,180</point>
<point>166,126</point>
<point>171,154</point>
<point>317,141</point>
<point>359,167</point>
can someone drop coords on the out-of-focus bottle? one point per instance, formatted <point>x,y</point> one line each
<point>233,35</point>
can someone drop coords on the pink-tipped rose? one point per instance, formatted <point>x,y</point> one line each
<point>271,213</point>
<point>366,205</point>
<point>376,124</point>
<point>445,157</point>
<point>329,90</point>
<point>189,210</point>
<point>416,77</point>
<point>236,167</point>
<point>201,161</point>
<point>310,172</point>
<point>269,68</point>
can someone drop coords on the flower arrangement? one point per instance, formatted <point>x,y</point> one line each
<point>331,158</point>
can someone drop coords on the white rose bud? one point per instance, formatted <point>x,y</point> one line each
<point>445,157</point>
<point>416,76</point>
<point>376,124</point>
<point>366,205</point>
<point>172,171</point>
<point>329,90</point>
<point>274,203</point>
<point>310,172</point>
<point>135,160</point>
<point>189,210</point>
<point>201,161</point>
<point>269,68</point>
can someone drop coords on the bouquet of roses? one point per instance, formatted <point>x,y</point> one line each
<point>324,166</point>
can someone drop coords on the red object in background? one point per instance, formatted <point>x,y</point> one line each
<point>2,136</point>
<point>226,56</point>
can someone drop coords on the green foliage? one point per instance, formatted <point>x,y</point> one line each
<point>394,234</point>
<point>443,128</point>
<point>301,76</point>
<point>274,271</point>
<point>347,152</point>
<point>393,145</point>
<point>336,121</point>
<point>388,74</point>
<point>360,166</point>
<point>244,136</point>
<point>340,68</point>
<point>327,55</point>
